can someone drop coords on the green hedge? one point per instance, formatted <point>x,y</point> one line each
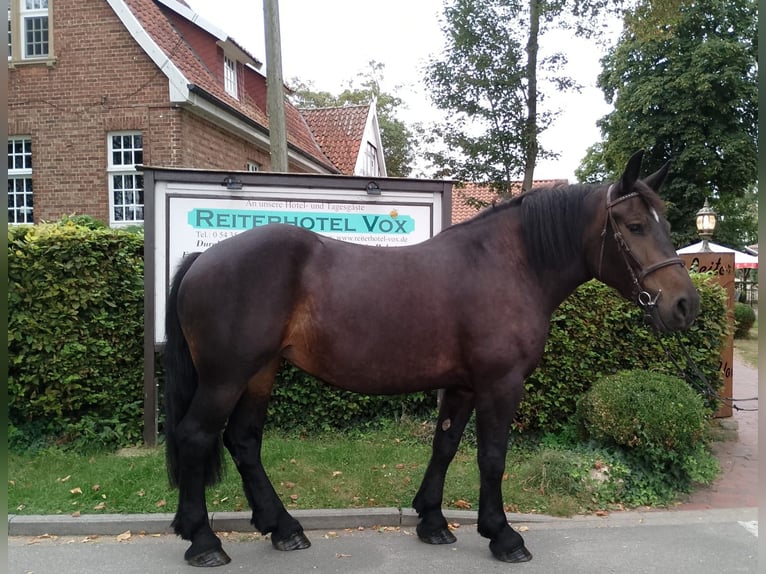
<point>75,334</point>
<point>76,347</point>
<point>595,332</point>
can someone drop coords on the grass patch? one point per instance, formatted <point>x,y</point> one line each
<point>747,348</point>
<point>380,468</point>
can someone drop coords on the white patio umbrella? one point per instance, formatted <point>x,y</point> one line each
<point>741,260</point>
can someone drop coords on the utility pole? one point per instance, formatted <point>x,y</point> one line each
<point>274,84</point>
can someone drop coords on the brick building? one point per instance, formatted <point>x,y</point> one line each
<point>98,88</point>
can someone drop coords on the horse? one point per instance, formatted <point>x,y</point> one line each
<point>467,311</point>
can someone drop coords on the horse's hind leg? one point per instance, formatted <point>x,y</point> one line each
<point>198,434</point>
<point>244,437</point>
<point>455,410</point>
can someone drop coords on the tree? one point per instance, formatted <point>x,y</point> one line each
<point>493,81</point>
<point>683,84</point>
<point>396,137</point>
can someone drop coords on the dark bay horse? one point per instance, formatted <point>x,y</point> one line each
<point>467,311</point>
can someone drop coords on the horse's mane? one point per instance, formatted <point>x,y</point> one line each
<point>552,219</point>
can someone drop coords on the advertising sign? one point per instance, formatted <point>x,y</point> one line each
<point>721,265</point>
<point>189,211</point>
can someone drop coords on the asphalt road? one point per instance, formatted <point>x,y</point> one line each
<point>677,542</point>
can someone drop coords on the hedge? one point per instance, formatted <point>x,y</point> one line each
<point>76,347</point>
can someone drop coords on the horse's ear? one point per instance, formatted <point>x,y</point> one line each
<point>630,175</point>
<point>655,180</point>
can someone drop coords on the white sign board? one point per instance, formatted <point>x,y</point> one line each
<point>190,217</point>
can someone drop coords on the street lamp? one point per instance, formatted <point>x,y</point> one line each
<point>706,220</point>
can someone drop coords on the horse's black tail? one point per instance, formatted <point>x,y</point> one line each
<point>181,383</point>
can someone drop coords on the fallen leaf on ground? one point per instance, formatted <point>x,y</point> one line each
<point>161,503</point>
<point>76,514</point>
<point>100,506</point>
<point>339,555</point>
<point>336,473</point>
<point>124,536</point>
<point>465,505</point>
<point>77,490</point>
<point>67,477</point>
<point>523,528</point>
<point>96,487</point>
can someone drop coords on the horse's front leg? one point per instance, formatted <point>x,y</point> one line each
<point>495,409</point>
<point>455,410</point>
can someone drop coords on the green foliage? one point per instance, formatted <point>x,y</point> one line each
<point>659,424</point>
<point>300,403</point>
<point>596,332</point>
<point>744,318</point>
<point>684,83</point>
<point>76,349</point>
<point>75,333</point>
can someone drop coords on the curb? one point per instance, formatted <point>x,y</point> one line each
<point>114,524</point>
<point>340,519</point>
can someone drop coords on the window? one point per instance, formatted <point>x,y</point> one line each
<point>10,36</point>
<point>230,76</point>
<point>126,182</point>
<point>29,31</point>
<point>252,166</point>
<point>20,199</point>
<point>371,160</point>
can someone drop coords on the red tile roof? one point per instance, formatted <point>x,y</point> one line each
<point>462,208</point>
<point>194,51</point>
<point>339,132</point>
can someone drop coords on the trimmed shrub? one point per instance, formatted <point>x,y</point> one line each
<point>76,347</point>
<point>75,334</point>
<point>744,319</point>
<point>658,422</point>
<point>596,332</point>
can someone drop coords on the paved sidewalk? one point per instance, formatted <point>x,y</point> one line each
<point>738,484</point>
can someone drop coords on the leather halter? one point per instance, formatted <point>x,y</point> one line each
<point>644,298</point>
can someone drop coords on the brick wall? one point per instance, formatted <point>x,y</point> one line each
<point>102,81</point>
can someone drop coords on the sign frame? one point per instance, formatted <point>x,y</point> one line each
<point>345,207</point>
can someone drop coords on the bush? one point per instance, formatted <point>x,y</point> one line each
<point>596,332</point>
<point>744,319</point>
<point>658,422</point>
<point>75,334</point>
<point>76,330</point>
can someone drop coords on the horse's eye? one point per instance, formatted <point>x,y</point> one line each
<point>636,228</point>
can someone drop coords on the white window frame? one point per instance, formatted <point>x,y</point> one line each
<point>252,166</point>
<point>20,181</point>
<point>126,180</point>
<point>21,15</point>
<point>371,159</point>
<point>230,76</point>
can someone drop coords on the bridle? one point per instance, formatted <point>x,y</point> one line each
<point>643,297</point>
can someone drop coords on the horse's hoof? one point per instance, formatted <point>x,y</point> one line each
<point>440,536</point>
<point>209,559</point>
<point>296,541</point>
<point>518,554</point>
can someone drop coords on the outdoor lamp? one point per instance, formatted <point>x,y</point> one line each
<point>706,220</point>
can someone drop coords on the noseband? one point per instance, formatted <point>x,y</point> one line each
<point>644,298</point>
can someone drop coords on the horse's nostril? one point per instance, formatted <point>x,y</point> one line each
<point>682,307</point>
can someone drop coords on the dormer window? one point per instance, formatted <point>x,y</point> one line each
<point>230,76</point>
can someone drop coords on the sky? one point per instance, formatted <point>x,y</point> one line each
<point>328,42</point>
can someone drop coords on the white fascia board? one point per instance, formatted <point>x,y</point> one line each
<point>193,17</point>
<point>220,117</point>
<point>177,82</point>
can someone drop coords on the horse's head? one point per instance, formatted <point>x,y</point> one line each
<point>634,253</point>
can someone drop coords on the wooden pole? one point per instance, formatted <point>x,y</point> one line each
<point>274,82</point>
